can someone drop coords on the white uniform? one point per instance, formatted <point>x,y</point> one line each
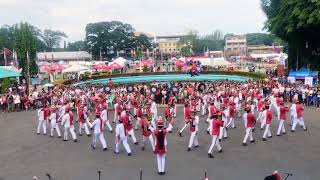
<point>121,136</point>
<point>223,131</point>
<point>194,130</point>
<point>42,122</point>
<point>54,124</point>
<point>68,125</point>
<point>98,127</point>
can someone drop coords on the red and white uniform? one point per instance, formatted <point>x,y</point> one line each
<point>146,134</point>
<point>68,123</point>
<point>214,130</point>
<point>121,136</point>
<point>128,126</point>
<point>54,124</point>
<point>298,118</point>
<point>268,120</point>
<point>283,111</point>
<point>98,128</point>
<point>194,121</point>
<point>251,120</point>
<point>83,124</point>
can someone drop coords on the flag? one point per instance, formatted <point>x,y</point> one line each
<point>100,57</point>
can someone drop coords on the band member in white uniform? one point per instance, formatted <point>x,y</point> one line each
<point>54,123</point>
<point>194,121</point>
<point>98,126</point>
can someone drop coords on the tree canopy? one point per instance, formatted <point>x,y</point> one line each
<point>263,39</point>
<point>298,23</point>
<point>52,38</point>
<point>199,44</point>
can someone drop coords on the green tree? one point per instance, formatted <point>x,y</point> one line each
<point>6,37</point>
<point>263,39</point>
<point>52,38</point>
<point>298,23</point>
<point>142,41</point>
<point>24,40</point>
<point>76,46</point>
<point>109,37</point>
<point>200,44</point>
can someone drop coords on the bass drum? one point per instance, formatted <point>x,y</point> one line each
<point>130,88</point>
<point>201,87</point>
<point>153,89</point>
<point>107,89</point>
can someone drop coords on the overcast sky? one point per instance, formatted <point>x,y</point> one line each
<point>151,16</point>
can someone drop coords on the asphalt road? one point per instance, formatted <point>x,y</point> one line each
<point>24,154</point>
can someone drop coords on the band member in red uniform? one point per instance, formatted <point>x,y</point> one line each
<point>232,113</point>
<point>268,119</point>
<point>298,117</point>
<point>128,124</point>
<point>160,145</point>
<point>215,125</point>
<point>212,110</point>
<point>146,132</point>
<point>121,136</point>
<point>82,122</point>
<point>283,111</point>
<point>194,121</point>
<point>251,121</point>
<point>187,114</point>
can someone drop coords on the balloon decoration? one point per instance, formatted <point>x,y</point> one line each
<point>194,67</point>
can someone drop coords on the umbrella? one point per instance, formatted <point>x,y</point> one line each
<point>115,65</point>
<point>48,85</point>
<point>57,67</point>
<point>100,66</point>
<point>4,73</point>
<point>180,63</point>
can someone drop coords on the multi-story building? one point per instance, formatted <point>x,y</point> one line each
<point>235,45</point>
<point>169,44</point>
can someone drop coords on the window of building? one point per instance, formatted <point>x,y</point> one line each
<point>165,44</point>
<point>178,49</point>
<point>174,49</point>
<point>165,49</point>
<point>169,44</point>
<point>169,49</point>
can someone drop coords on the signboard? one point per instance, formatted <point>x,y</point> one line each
<point>308,81</point>
<point>291,79</point>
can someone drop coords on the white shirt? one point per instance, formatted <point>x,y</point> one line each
<point>41,115</point>
<point>66,120</point>
<point>96,125</point>
<point>53,118</point>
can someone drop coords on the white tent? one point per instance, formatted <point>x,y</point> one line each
<point>12,68</point>
<point>213,62</point>
<point>121,61</point>
<point>75,68</point>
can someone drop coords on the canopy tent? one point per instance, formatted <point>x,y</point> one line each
<point>205,61</point>
<point>101,66</point>
<point>114,65</point>
<point>75,68</point>
<point>12,68</point>
<point>303,73</point>
<point>5,73</point>
<point>121,61</point>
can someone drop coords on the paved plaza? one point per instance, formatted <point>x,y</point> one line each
<point>24,154</point>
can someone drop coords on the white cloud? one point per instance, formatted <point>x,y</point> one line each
<point>152,16</point>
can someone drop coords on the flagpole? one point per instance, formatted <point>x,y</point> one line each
<point>5,56</point>
<point>28,69</point>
